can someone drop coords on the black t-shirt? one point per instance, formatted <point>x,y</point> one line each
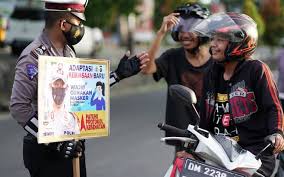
<point>174,67</point>
<point>221,122</point>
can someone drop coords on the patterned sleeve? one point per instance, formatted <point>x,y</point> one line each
<point>269,99</point>
<point>24,91</point>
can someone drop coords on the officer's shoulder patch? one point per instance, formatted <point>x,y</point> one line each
<point>40,50</point>
<point>31,70</point>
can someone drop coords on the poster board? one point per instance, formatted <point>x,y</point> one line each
<point>73,99</point>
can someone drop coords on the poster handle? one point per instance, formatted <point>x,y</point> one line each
<point>76,166</point>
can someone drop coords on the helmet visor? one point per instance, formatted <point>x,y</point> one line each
<point>220,24</point>
<point>186,25</point>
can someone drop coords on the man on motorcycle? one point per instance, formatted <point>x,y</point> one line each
<point>184,65</point>
<point>240,98</point>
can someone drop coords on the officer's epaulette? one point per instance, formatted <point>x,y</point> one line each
<point>38,51</point>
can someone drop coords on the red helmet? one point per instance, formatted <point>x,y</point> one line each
<point>239,29</point>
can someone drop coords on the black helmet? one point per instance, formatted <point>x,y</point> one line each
<point>239,29</point>
<point>190,16</point>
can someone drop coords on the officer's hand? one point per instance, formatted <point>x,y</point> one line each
<point>72,149</point>
<point>169,22</point>
<point>68,149</point>
<point>131,66</point>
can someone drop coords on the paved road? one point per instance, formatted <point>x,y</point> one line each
<point>133,148</point>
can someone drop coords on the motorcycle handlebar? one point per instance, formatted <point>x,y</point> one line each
<point>174,130</point>
<point>270,140</point>
<point>268,146</point>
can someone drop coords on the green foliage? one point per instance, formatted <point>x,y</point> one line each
<point>274,23</point>
<point>251,10</point>
<point>232,5</point>
<point>104,14</point>
<point>274,30</point>
<point>159,14</point>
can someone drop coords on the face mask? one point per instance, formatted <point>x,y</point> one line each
<point>58,95</point>
<point>75,34</point>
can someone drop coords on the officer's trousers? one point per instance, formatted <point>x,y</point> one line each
<point>41,161</point>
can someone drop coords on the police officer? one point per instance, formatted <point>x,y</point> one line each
<point>63,28</point>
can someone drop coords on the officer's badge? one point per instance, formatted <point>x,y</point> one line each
<point>38,51</point>
<point>31,71</point>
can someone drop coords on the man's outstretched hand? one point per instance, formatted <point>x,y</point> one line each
<point>128,67</point>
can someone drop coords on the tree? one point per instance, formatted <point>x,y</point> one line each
<point>272,12</point>
<point>104,14</point>
<point>250,9</point>
<point>233,5</point>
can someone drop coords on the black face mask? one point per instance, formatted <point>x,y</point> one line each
<point>58,95</point>
<point>75,34</point>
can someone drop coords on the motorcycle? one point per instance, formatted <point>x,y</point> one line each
<point>214,155</point>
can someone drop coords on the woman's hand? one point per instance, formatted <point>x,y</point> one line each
<point>278,143</point>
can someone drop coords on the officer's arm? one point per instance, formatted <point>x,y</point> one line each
<point>113,78</point>
<point>24,93</point>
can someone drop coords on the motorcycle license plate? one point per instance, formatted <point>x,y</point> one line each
<point>198,169</point>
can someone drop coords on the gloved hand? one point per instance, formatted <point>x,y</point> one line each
<point>68,149</point>
<point>128,67</point>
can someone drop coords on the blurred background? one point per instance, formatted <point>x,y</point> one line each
<point>137,104</point>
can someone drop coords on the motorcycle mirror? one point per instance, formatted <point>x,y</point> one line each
<point>185,96</point>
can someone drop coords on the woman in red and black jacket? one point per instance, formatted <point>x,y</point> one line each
<point>240,98</point>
